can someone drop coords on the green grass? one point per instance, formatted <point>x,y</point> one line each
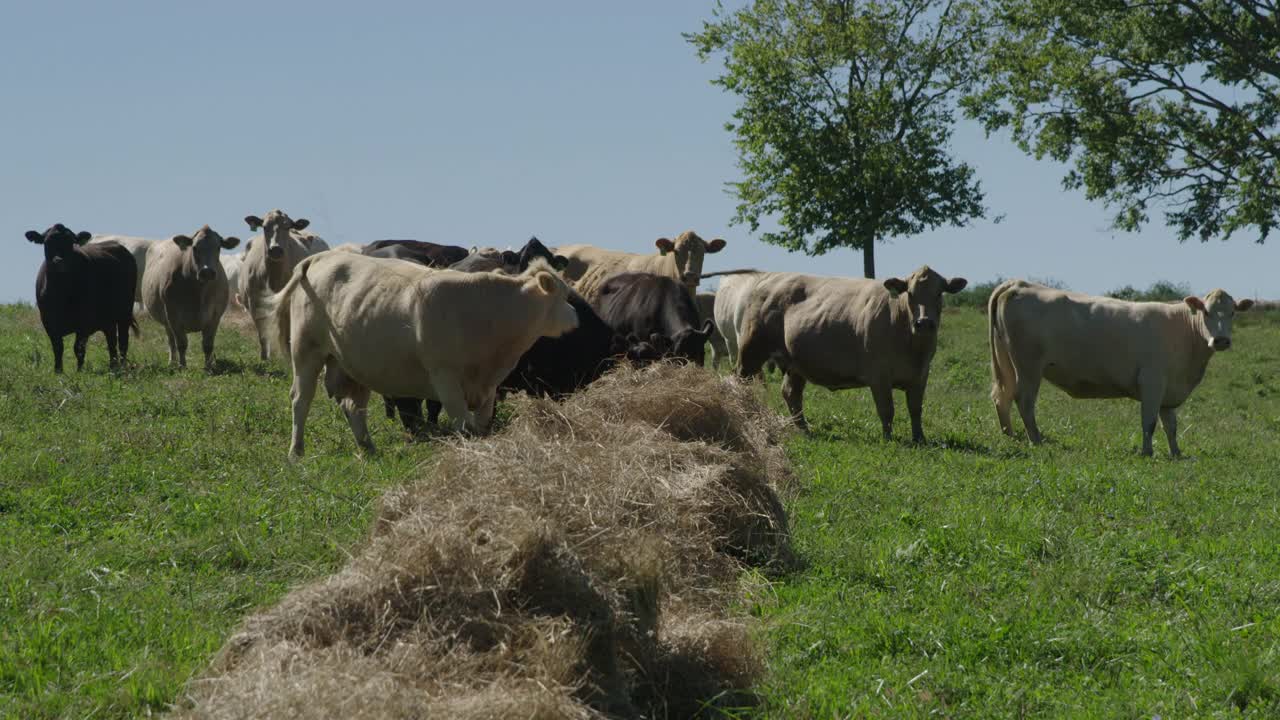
<point>981,577</point>
<point>143,514</point>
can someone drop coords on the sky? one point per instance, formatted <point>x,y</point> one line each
<point>469,124</point>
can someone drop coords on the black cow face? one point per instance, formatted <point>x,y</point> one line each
<point>60,245</point>
<point>534,249</point>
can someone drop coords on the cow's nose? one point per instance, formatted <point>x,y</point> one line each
<point>1222,343</point>
<point>926,323</point>
<point>205,274</point>
<point>274,252</point>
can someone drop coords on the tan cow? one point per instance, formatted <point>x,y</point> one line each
<point>1098,347</point>
<point>403,330</point>
<point>268,263</point>
<point>185,289</point>
<point>707,311</point>
<point>680,260</point>
<point>844,333</point>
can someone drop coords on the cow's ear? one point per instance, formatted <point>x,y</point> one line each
<point>510,257</point>
<point>1195,303</point>
<point>955,285</point>
<point>230,242</point>
<point>559,262</point>
<point>708,327</point>
<point>716,245</point>
<point>895,286</point>
<point>83,237</point>
<point>664,246</point>
<point>35,237</point>
<point>1244,304</point>
<point>253,221</point>
<point>181,241</point>
<point>301,224</point>
<point>547,282</point>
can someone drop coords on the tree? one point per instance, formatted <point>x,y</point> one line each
<point>847,112</point>
<point>1162,103</point>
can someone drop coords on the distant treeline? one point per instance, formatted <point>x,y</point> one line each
<point>976,296</point>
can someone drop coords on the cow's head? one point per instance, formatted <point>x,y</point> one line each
<point>924,289</point>
<point>638,350</point>
<point>689,250</point>
<point>275,229</point>
<point>205,246</point>
<point>60,247</point>
<point>691,343</point>
<point>561,317</point>
<point>535,249</point>
<point>1216,312</point>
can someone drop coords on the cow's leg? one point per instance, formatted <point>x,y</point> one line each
<point>449,391</point>
<point>1027,391</point>
<point>306,372</point>
<point>56,342</point>
<point>112,350</point>
<point>260,326</point>
<point>484,414</point>
<point>389,406</point>
<point>180,339</point>
<point>1169,419</point>
<point>356,407</point>
<point>122,334</point>
<point>410,410</point>
<point>207,335</point>
<point>915,408</point>
<point>433,411</point>
<point>173,345</point>
<point>882,394</point>
<point>751,358</point>
<point>1151,391</point>
<point>82,341</point>
<point>793,394</point>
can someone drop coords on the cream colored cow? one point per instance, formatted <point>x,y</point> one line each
<point>185,289</point>
<point>679,259</point>
<point>268,263</point>
<point>1099,347</point>
<point>402,330</point>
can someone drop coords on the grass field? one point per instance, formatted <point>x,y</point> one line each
<point>143,514</point>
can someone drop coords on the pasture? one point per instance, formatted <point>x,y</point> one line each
<point>143,514</point>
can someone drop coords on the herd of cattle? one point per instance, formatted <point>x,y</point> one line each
<point>417,321</point>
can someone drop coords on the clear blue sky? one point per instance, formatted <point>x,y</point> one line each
<point>464,123</point>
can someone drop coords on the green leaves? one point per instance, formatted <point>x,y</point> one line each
<point>846,116</point>
<point>1171,104</point>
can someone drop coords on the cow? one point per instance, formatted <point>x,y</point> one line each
<point>185,289</point>
<point>490,259</point>
<point>268,263</point>
<point>405,331</point>
<point>84,288</point>
<point>730,304</point>
<point>680,260</point>
<point>706,302</point>
<point>649,305</point>
<point>313,242</point>
<point>1099,347</point>
<point>843,333</point>
<point>554,366</point>
<point>231,265</point>
<point>424,253</point>
<point>137,247</point>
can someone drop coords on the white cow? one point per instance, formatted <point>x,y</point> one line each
<point>1099,347</point>
<point>185,289</point>
<point>679,259</point>
<point>231,265</point>
<point>268,263</point>
<point>402,330</point>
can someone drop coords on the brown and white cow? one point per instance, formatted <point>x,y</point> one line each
<point>1099,347</point>
<point>185,289</point>
<point>403,330</point>
<point>679,259</point>
<point>268,263</point>
<point>845,333</point>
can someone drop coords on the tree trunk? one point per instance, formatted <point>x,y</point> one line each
<point>869,257</point>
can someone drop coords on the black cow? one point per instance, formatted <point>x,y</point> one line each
<point>423,253</point>
<point>554,367</point>
<point>509,260</point>
<point>655,306</point>
<point>84,289</point>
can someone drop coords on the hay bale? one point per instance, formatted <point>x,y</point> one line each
<point>580,563</point>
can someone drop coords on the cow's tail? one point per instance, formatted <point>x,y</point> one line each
<point>1003,377</point>
<point>276,307</point>
<point>739,271</point>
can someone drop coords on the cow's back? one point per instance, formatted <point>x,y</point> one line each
<point>96,297</point>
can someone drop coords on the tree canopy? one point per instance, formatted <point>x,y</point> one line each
<point>1162,104</point>
<point>846,115</point>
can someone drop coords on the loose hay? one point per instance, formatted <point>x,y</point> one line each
<point>577,564</point>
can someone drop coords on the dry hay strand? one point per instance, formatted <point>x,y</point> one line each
<point>578,564</point>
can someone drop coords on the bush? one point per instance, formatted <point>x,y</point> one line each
<point>1160,291</point>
